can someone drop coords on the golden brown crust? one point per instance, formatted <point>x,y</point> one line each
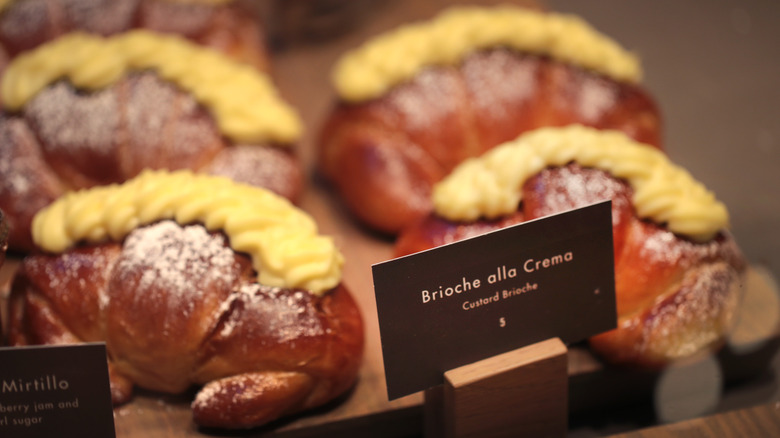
<point>383,156</point>
<point>176,307</point>
<point>65,139</point>
<point>273,395</point>
<point>690,319</point>
<point>231,28</point>
<point>674,296</point>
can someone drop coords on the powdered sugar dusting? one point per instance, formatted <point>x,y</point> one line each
<point>236,390</point>
<point>698,314</point>
<point>140,122</point>
<point>78,271</point>
<point>572,186</point>
<point>148,93</point>
<point>596,97</point>
<point>207,394</point>
<point>168,128</point>
<point>74,124</point>
<point>27,183</point>
<point>261,166</point>
<point>665,245</point>
<point>286,314</point>
<point>21,24</point>
<point>497,78</point>
<point>15,165</point>
<point>179,262</point>
<point>429,101</point>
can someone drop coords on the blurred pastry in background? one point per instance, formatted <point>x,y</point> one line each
<point>229,26</point>
<point>84,110</point>
<point>415,102</point>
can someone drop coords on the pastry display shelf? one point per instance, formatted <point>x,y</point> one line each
<point>365,409</point>
<point>749,358</point>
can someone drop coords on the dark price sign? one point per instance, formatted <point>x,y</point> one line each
<point>55,391</point>
<point>463,302</point>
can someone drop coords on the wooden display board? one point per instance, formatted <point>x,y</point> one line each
<point>365,410</point>
<point>523,392</point>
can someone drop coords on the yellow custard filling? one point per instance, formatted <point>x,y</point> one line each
<point>491,185</point>
<point>281,239</point>
<point>389,59</point>
<point>243,101</point>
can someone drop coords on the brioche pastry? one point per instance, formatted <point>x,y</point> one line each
<point>678,271</point>
<point>84,110</point>
<point>415,102</point>
<point>228,26</point>
<point>193,279</point>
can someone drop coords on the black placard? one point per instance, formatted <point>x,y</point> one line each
<point>473,299</point>
<point>55,391</point>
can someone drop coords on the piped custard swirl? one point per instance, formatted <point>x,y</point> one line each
<point>242,100</point>
<point>282,240</point>
<point>389,59</point>
<point>491,185</point>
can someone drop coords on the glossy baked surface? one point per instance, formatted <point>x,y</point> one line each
<point>675,297</point>
<point>178,307</point>
<point>230,27</point>
<point>65,139</point>
<point>384,155</point>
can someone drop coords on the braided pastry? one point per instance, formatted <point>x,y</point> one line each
<point>84,110</point>
<point>228,26</point>
<point>415,102</point>
<point>678,271</point>
<point>194,279</point>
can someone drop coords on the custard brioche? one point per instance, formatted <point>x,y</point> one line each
<point>193,279</point>
<point>415,102</point>
<point>678,271</point>
<point>84,110</point>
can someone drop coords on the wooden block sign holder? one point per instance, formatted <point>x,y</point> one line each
<point>523,392</point>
